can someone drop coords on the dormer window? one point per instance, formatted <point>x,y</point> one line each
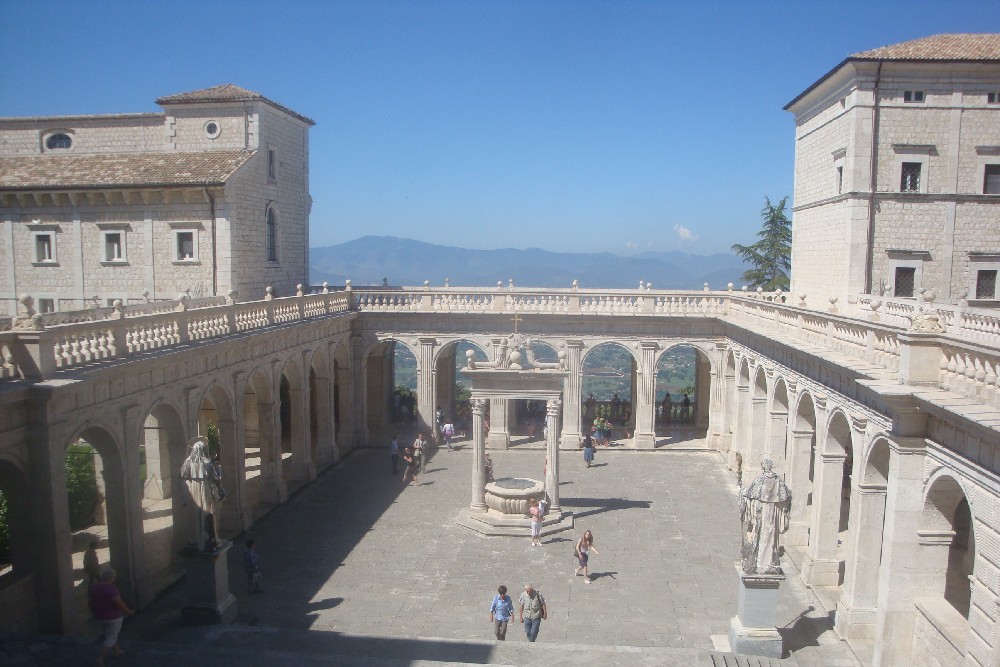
<point>60,141</point>
<point>913,96</point>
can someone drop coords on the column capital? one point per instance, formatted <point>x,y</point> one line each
<point>478,406</point>
<point>649,345</point>
<point>872,489</point>
<point>907,446</point>
<point>859,423</point>
<point>833,457</point>
<point>552,407</point>
<point>935,537</point>
<point>427,340</point>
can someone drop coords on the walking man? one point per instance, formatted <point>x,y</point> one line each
<point>501,610</point>
<point>532,611</point>
<point>394,452</point>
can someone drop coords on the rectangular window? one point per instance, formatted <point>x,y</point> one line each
<point>46,305</point>
<point>993,98</point>
<point>113,247</point>
<point>991,179</point>
<point>43,248</point>
<point>840,180</point>
<point>905,278</point>
<point>185,245</point>
<point>910,177</point>
<point>913,96</point>
<point>986,284</point>
<point>271,165</point>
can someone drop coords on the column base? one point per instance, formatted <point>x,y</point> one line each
<point>498,440</point>
<point>820,572</point>
<point>854,623</point>
<point>570,441</point>
<point>644,440</point>
<point>495,524</point>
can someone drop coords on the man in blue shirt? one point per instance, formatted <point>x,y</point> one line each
<point>501,610</point>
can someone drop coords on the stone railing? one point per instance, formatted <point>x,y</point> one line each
<point>980,325</point>
<point>35,350</point>
<point>971,371</point>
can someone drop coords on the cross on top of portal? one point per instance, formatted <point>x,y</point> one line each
<point>517,318</point>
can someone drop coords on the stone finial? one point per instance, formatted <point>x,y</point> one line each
<point>298,290</point>
<point>326,287</point>
<point>182,302</point>
<point>119,309</point>
<point>746,289</point>
<point>29,319</point>
<point>729,287</point>
<point>470,359</point>
<point>760,290</point>
<point>145,295</point>
<point>929,296</point>
<point>706,289</point>
<point>347,285</point>
<point>268,293</point>
<point>649,286</point>
<point>510,283</point>
<point>96,300</point>
<point>499,284</point>
<point>231,296</point>
<point>833,304</point>
<point>642,285</point>
<point>576,284</point>
<point>963,297</point>
<point>447,282</point>
<point>562,359</point>
<point>802,299</point>
<point>427,285</point>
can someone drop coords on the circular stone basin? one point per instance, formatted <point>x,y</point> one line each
<point>511,495</point>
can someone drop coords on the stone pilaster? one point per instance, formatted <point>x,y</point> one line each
<point>499,437</point>
<point>358,392</point>
<point>644,389</point>
<point>426,398</point>
<point>820,566</point>
<point>856,610</point>
<point>571,396</point>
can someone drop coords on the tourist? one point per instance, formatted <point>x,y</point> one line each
<point>532,610</point>
<point>420,451</point>
<point>108,607</point>
<point>591,404</point>
<point>255,573</point>
<point>588,450</point>
<point>667,408</point>
<point>583,548</point>
<point>448,431</point>
<point>488,464</point>
<point>536,523</point>
<point>501,610</point>
<point>412,465</point>
<point>92,564</point>
<point>685,407</point>
<point>394,453</point>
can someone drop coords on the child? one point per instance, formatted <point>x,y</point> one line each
<point>251,563</point>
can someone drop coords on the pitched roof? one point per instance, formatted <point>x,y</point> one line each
<point>110,170</point>
<point>968,46</point>
<point>954,47</point>
<point>227,92</point>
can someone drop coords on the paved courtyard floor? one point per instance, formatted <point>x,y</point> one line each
<point>359,553</point>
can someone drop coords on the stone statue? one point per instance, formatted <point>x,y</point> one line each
<point>764,506</point>
<point>204,482</point>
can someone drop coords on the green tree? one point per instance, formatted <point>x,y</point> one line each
<point>81,485</point>
<point>771,256</point>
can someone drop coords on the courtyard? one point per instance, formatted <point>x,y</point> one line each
<point>359,563</point>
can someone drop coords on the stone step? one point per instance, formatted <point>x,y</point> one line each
<point>247,645</point>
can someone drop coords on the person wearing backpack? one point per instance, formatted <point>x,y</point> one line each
<point>501,610</point>
<point>532,611</point>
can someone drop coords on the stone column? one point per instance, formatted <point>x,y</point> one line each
<point>901,550</point>
<point>777,436</point>
<point>820,566</point>
<point>499,437</point>
<point>357,420</point>
<point>705,394</point>
<point>757,440</point>
<point>571,396</point>
<point>303,468</point>
<point>644,390</point>
<point>445,380</point>
<point>478,503</point>
<point>856,610</point>
<point>741,433</point>
<point>798,481</point>
<point>158,478</point>
<point>272,480</point>
<point>426,399</point>
<point>552,451</point>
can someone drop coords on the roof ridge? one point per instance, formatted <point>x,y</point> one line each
<point>943,46</point>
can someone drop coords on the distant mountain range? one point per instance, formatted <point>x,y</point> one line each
<point>369,259</point>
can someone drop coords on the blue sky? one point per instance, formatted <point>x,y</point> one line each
<point>571,126</point>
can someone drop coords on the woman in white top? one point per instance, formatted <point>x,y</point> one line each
<point>583,548</point>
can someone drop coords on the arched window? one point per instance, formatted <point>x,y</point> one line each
<point>271,236</point>
<point>58,141</point>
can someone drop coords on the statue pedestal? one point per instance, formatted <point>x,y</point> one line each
<point>208,600</point>
<point>752,631</point>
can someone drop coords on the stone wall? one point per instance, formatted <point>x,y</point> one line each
<point>123,133</point>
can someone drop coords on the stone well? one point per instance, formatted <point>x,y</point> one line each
<point>512,495</point>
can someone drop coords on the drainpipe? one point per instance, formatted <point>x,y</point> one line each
<point>870,253</point>
<point>215,264</point>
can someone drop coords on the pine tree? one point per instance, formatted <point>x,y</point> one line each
<point>771,256</point>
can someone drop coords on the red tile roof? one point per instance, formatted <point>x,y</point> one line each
<point>110,170</point>
<point>227,92</point>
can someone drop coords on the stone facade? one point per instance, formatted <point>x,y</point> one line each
<point>142,207</point>
<point>933,111</point>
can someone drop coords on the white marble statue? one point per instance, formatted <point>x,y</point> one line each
<point>764,506</point>
<point>204,482</point>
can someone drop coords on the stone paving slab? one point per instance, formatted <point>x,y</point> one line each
<point>359,554</point>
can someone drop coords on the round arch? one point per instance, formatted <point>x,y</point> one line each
<point>948,548</point>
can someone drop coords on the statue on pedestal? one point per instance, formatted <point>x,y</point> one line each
<point>204,482</point>
<point>764,507</point>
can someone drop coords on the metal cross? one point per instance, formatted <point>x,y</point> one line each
<point>517,318</point>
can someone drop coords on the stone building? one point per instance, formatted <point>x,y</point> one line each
<point>884,422</point>
<point>897,173</point>
<point>209,197</point>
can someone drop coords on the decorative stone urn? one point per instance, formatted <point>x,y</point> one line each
<point>511,495</point>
